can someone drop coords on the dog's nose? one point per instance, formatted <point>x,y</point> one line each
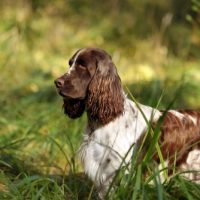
<point>59,83</point>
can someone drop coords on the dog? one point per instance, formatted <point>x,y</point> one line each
<point>116,125</point>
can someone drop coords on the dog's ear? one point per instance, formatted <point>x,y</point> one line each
<point>105,99</point>
<point>74,108</point>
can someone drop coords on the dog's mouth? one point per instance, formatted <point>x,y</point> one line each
<point>62,94</point>
<point>67,97</point>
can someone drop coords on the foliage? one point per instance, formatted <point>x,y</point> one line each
<point>156,51</point>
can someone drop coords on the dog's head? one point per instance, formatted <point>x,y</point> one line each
<point>91,81</point>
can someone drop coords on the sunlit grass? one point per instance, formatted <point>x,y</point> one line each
<point>38,144</point>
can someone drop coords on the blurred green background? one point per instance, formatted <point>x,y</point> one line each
<point>154,44</point>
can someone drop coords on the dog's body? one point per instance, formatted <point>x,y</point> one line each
<point>116,125</point>
<point>104,147</point>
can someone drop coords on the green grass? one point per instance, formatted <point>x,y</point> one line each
<point>38,144</point>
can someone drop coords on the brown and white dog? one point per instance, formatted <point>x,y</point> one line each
<point>116,124</point>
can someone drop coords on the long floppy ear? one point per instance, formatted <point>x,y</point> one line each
<point>74,108</point>
<point>105,99</point>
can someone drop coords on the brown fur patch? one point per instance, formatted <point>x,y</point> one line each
<point>179,135</point>
<point>105,99</point>
<point>74,108</point>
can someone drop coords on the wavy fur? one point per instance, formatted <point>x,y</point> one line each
<point>105,98</point>
<point>74,108</point>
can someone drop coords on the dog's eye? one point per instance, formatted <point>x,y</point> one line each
<point>81,62</point>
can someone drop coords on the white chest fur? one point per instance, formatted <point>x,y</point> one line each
<point>103,150</point>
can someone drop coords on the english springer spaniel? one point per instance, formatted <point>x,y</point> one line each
<point>116,124</point>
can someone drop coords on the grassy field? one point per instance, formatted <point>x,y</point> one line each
<point>38,144</point>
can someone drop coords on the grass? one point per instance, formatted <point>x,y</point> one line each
<point>38,144</point>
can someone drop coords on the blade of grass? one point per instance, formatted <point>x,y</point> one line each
<point>61,149</point>
<point>137,183</point>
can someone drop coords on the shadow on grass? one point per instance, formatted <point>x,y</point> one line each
<point>18,179</point>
